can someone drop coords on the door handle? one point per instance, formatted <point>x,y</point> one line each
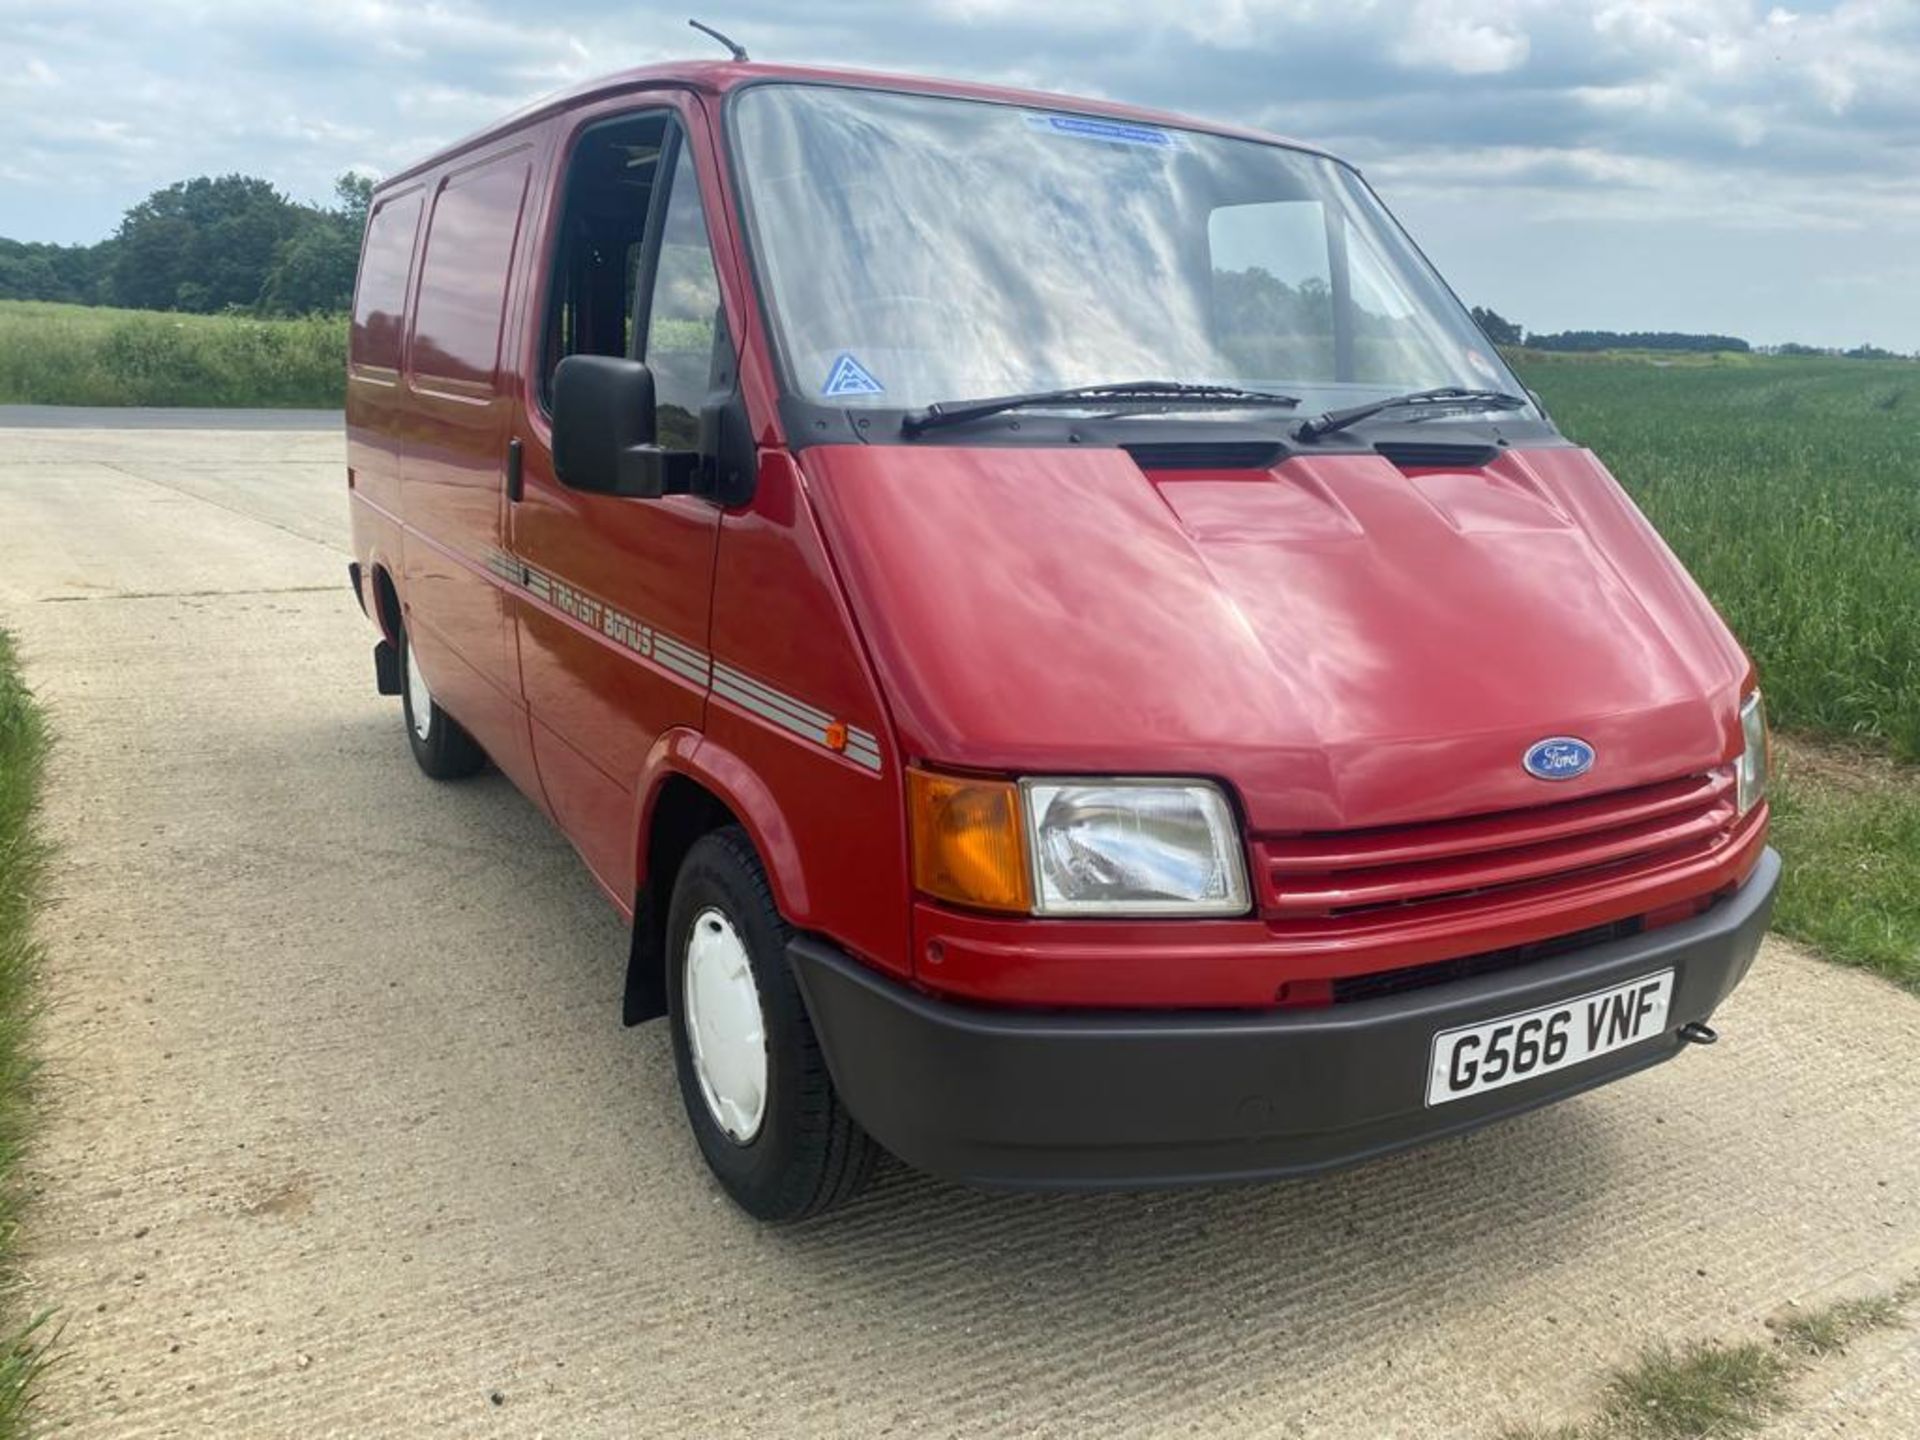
<point>515,486</point>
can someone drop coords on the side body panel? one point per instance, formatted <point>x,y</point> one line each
<point>452,486</point>
<point>789,666</point>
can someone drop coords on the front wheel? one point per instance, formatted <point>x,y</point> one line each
<point>752,1077</point>
<point>440,747</point>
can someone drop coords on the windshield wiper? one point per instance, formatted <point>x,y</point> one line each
<point>1447,397</point>
<point>953,412</point>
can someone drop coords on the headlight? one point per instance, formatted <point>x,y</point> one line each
<point>1133,847</point>
<point>1751,768</point>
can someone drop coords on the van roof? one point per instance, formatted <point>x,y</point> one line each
<point>717,77</point>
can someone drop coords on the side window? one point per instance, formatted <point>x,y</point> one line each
<point>1273,289</point>
<point>463,275</point>
<point>684,321</point>
<point>380,297</point>
<point>602,233</point>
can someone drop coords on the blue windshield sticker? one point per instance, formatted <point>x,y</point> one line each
<point>1118,132</point>
<point>849,377</point>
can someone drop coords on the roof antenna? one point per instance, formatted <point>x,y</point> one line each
<point>739,51</point>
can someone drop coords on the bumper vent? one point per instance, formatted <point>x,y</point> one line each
<point>1382,983</point>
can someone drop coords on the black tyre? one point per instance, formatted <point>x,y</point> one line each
<point>752,1076</point>
<point>440,746</point>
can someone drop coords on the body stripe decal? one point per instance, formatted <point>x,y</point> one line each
<point>788,712</point>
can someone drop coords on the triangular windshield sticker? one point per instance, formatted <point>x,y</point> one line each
<point>849,377</point>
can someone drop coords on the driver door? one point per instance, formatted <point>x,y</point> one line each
<point>612,607</point>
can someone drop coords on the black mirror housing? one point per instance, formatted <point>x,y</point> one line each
<point>603,428</point>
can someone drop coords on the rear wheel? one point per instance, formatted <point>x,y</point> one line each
<point>752,1077</point>
<point>440,746</point>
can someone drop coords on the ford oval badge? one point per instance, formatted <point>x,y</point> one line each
<point>1558,757</point>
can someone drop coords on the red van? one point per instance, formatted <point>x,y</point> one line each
<point>1080,662</point>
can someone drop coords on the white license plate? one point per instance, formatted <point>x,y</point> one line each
<point>1493,1053</point>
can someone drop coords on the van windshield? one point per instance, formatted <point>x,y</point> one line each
<point>919,249</point>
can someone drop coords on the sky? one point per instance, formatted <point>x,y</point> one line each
<point>1706,165</point>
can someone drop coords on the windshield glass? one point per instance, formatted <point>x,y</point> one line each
<point>916,249</point>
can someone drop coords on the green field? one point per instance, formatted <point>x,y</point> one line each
<point>81,355</point>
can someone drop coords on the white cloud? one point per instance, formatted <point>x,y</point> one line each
<point>1466,38</point>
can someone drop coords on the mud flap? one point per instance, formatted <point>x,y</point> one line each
<point>646,989</point>
<point>386,668</point>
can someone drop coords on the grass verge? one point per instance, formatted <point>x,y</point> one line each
<point>1698,1389</point>
<point>23,746</point>
<point>87,355</point>
<point>1707,1390</point>
<point>1847,824</point>
<point>1819,1333</point>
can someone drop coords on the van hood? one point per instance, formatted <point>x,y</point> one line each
<point>1344,642</point>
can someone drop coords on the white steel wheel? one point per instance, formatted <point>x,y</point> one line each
<point>752,1075</point>
<point>439,745</point>
<point>419,698</point>
<point>726,1030</point>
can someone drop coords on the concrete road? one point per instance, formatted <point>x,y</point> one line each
<point>345,1137</point>
<point>140,417</point>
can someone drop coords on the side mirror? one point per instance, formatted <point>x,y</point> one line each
<point>603,430</point>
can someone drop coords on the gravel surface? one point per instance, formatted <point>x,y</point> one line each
<point>345,1136</point>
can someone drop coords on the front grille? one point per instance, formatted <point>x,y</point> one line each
<point>1318,885</point>
<point>1377,986</point>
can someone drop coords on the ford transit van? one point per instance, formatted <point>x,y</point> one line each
<point>1081,664</point>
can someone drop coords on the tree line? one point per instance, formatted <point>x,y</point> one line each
<point>1589,341</point>
<point>215,243</point>
<point>1503,331</point>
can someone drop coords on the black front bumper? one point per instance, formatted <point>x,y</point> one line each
<point>1110,1099</point>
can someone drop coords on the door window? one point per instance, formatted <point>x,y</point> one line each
<point>605,299</point>
<point>603,227</point>
<point>684,326</point>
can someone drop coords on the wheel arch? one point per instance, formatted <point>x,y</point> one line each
<point>691,787</point>
<point>386,602</point>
